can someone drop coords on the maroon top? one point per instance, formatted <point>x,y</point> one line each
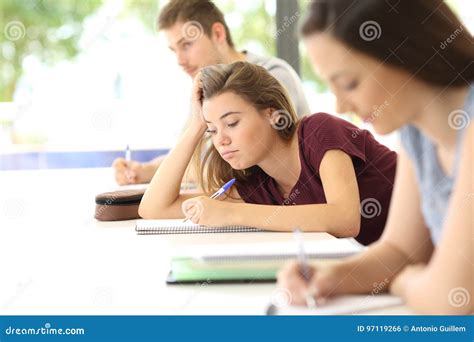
<point>374,166</point>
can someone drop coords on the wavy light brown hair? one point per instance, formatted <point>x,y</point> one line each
<point>259,88</point>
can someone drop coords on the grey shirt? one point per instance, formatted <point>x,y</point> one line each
<point>434,185</point>
<point>287,76</point>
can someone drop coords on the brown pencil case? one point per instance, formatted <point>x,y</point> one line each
<point>118,205</point>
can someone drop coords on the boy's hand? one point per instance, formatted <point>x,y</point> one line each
<point>131,172</point>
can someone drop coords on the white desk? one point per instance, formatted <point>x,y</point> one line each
<point>56,259</point>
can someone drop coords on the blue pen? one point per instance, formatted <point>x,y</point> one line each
<point>219,192</point>
<point>128,154</point>
<point>224,188</point>
<point>128,159</point>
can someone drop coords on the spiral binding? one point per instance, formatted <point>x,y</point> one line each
<point>273,257</point>
<point>195,230</point>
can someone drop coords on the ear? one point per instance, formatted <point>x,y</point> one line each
<point>269,114</point>
<point>218,33</point>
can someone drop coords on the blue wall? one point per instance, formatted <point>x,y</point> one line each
<point>64,160</point>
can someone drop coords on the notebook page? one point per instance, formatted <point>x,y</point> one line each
<point>170,223</point>
<point>317,247</point>
<point>344,305</point>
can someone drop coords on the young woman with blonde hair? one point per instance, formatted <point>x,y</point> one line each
<point>319,174</point>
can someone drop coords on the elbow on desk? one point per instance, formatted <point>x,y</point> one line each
<point>143,211</point>
<point>153,212</point>
<point>424,297</point>
<point>445,310</point>
<point>437,306</point>
<point>146,211</point>
<point>346,227</point>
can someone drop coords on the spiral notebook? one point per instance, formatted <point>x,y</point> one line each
<point>145,227</point>
<point>249,262</point>
<point>275,250</point>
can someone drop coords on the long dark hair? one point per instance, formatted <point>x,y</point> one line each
<point>422,37</point>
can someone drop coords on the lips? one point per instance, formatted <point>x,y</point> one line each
<point>228,154</point>
<point>368,119</point>
<point>190,71</point>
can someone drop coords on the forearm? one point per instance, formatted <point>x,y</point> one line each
<point>152,166</point>
<point>371,271</point>
<point>155,163</point>
<point>378,264</point>
<point>165,185</point>
<point>331,218</point>
<point>149,168</point>
<point>428,291</point>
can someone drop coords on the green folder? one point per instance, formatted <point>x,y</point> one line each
<point>190,270</point>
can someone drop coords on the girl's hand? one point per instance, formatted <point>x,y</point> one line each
<point>197,119</point>
<point>206,211</point>
<point>323,282</point>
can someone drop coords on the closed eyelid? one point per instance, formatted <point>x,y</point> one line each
<point>346,85</point>
<point>225,124</point>
<point>351,85</point>
<point>226,115</point>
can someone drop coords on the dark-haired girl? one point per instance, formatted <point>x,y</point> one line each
<point>372,53</point>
